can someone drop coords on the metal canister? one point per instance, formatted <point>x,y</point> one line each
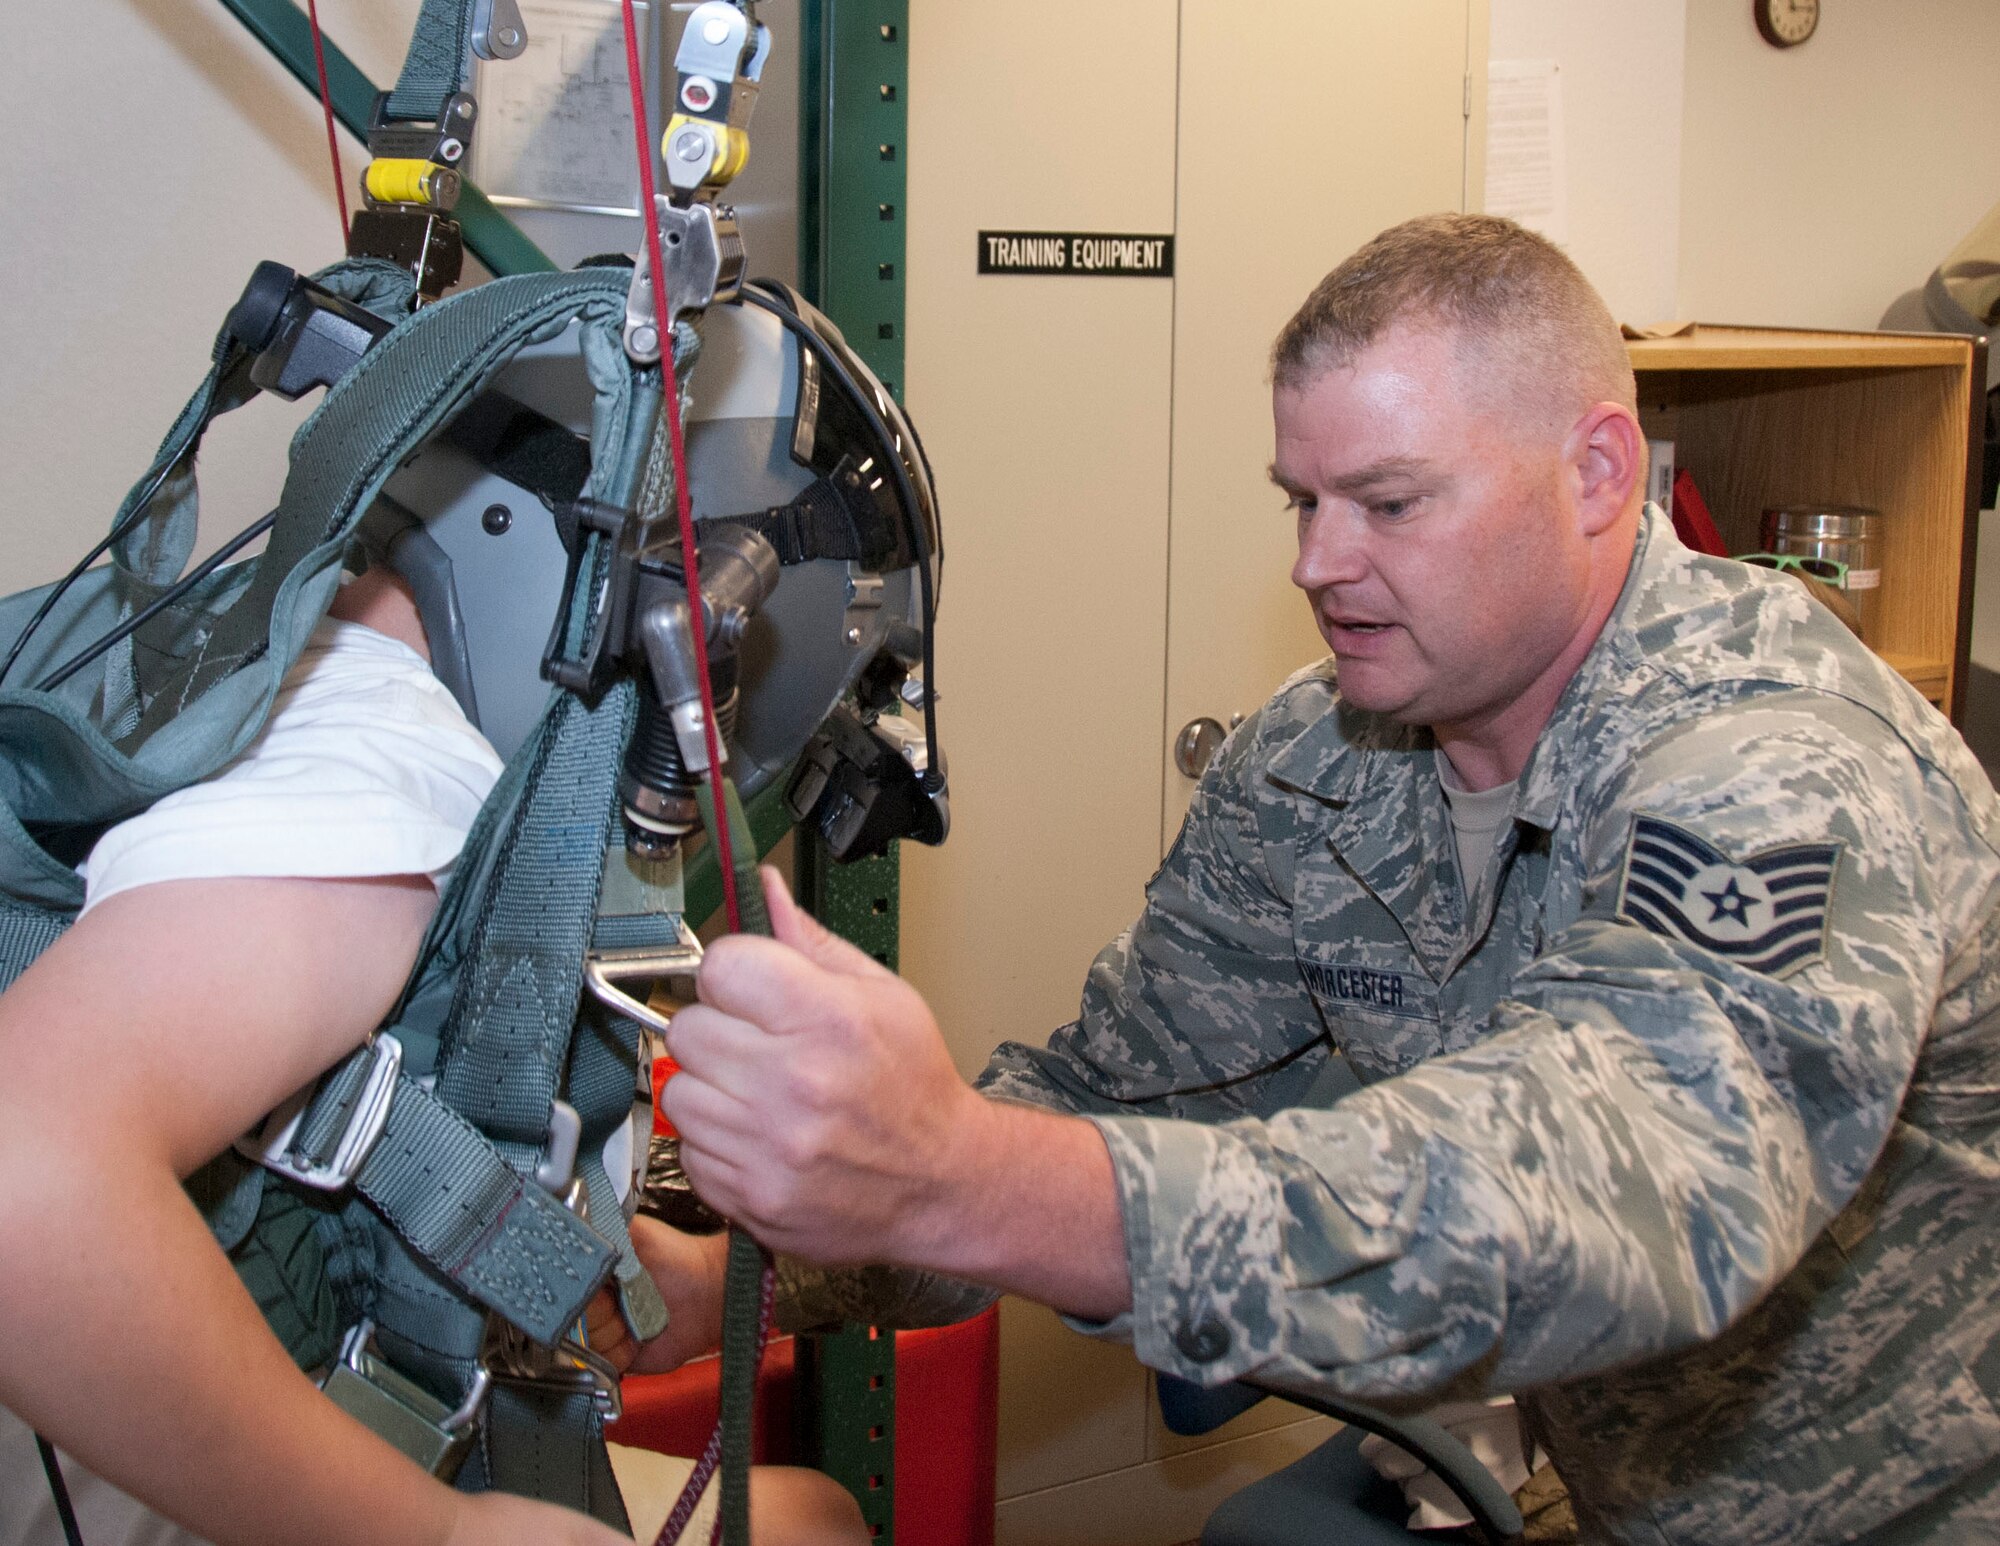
<point>1848,534</point>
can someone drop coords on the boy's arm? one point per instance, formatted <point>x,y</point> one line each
<point>161,1026</point>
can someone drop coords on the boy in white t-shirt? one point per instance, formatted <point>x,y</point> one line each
<point>238,939</point>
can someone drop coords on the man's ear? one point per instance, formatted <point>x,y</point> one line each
<point>1605,454</point>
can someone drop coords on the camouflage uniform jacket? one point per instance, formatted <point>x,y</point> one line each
<point>1682,1126</point>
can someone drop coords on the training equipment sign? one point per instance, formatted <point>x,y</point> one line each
<point>1086,254</point>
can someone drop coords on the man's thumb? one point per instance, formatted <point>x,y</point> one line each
<point>792,925</point>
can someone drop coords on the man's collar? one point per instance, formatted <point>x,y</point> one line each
<point>1551,771</point>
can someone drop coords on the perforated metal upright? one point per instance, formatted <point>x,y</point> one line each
<point>854,78</point>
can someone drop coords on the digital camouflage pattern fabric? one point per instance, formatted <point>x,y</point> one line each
<point>1717,1196</point>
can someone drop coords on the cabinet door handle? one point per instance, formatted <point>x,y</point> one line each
<point>1198,742</point>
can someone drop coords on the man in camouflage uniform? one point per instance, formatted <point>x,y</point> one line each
<point>1678,1100</point>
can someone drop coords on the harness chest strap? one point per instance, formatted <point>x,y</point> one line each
<point>457,1203</point>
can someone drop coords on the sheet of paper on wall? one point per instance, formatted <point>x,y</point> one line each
<point>1526,177</point>
<point>555,125</point>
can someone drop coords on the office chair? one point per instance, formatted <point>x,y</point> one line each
<point>1333,1497</point>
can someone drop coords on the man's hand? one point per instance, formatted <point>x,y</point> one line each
<point>816,1102</point>
<point>818,1107</point>
<point>688,1270</point>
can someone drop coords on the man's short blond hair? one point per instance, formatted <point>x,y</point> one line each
<point>1536,327</point>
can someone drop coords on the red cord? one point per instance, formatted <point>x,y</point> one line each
<point>697,614</point>
<point>326,102</point>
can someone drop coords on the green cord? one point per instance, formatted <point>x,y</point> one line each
<point>743,1290</point>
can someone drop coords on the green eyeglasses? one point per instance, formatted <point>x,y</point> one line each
<point>1829,571</point>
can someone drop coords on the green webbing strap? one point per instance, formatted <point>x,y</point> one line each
<point>370,421</point>
<point>507,1035</point>
<point>548,1443</point>
<point>744,1283</point>
<point>638,907</point>
<point>451,1170</point>
<point>460,1207</point>
<point>25,932</point>
<point>158,547</point>
<point>435,66</point>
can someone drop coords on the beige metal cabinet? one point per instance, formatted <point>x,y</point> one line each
<point>1115,558</point>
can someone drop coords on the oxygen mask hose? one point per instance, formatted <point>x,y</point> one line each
<point>750,1280</point>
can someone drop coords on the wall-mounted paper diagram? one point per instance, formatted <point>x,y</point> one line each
<point>555,125</point>
<point>1526,175</point>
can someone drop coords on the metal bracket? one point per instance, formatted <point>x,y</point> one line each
<point>444,142</point>
<point>703,252</point>
<point>557,1167</point>
<point>497,30</point>
<point>271,1145</point>
<point>605,970</point>
<point>397,1409</point>
<point>570,1365</point>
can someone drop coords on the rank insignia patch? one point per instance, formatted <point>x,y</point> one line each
<point>1767,913</point>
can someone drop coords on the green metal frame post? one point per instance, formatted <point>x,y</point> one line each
<point>854,79</point>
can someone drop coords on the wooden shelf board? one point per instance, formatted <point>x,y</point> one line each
<point>1710,347</point>
<point>1929,677</point>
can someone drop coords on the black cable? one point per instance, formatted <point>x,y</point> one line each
<point>121,529</point>
<point>223,357</point>
<point>52,1468</point>
<point>167,598</point>
<point>933,777</point>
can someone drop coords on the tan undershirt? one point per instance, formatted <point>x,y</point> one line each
<point>1478,817</point>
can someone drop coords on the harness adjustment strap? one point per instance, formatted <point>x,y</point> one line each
<point>459,1205</point>
<point>346,1127</point>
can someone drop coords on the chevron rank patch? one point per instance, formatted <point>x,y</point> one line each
<point>1767,912</point>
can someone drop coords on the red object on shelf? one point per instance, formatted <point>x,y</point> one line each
<point>947,1423</point>
<point>1692,522</point>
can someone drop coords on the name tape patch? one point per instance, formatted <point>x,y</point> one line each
<point>1382,991</point>
<point>1767,912</point>
<point>1089,254</point>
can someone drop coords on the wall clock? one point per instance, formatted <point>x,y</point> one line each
<point>1786,23</point>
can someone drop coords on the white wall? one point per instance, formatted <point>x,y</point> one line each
<point>1820,182</point>
<point>154,154</point>
<point>1621,86</point>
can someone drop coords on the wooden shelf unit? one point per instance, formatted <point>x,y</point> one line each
<point>1767,416</point>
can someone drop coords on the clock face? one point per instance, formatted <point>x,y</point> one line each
<point>1786,23</point>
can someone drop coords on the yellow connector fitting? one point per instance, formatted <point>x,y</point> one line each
<point>392,181</point>
<point>732,147</point>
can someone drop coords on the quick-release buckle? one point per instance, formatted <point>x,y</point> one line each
<point>571,1364</point>
<point>271,1145</point>
<point>397,1409</point>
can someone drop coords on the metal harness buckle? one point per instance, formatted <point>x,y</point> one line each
<point>397,1409</point>
<point>570,1364</point>
<point>604,970</point>
<point>271,1145</point>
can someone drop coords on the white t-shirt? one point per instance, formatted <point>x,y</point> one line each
<point>366,767</point>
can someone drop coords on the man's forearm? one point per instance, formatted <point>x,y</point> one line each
<point>1026,1202</point>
